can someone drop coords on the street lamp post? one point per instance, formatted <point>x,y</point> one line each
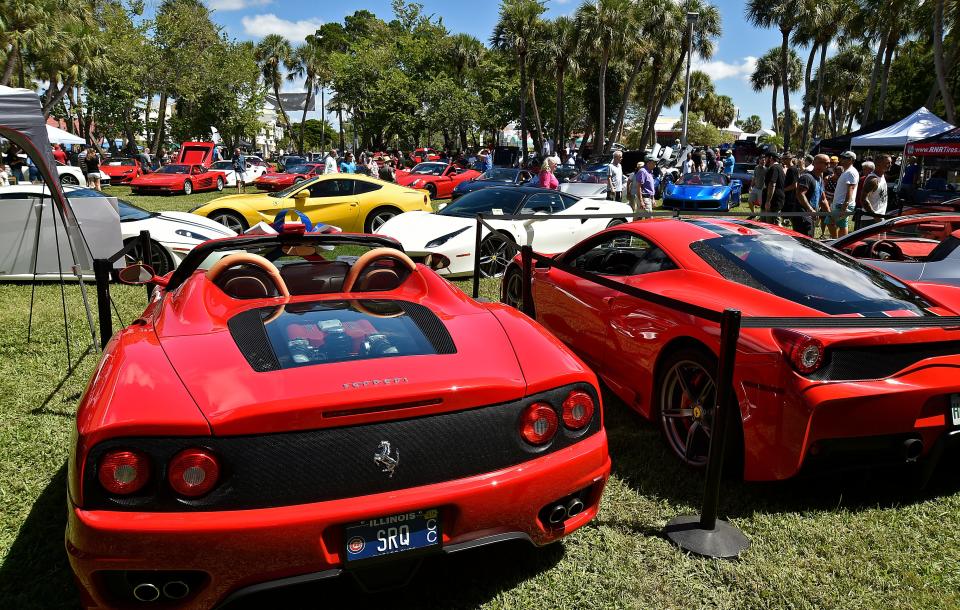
<point>691,20</point>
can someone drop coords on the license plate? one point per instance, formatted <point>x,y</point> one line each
<point>955,409</point>
<point>392,535</point>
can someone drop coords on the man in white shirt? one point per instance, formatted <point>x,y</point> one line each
<point>615,178</point>
<point>845,195</point>
<point>875,188</point>
<point>330,162</point>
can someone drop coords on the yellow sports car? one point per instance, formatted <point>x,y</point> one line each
<point>352,202</point>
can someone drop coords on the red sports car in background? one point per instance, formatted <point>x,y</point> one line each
<point>438,178</point>
<point>811,397</point>
<point>421,155</point>
<point>179,178</point>
<point>277,181</point>
<point>121,170</point>
<point>290,415</point>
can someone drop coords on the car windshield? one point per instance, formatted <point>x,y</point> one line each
<point>499,175</point>
<point>429,169</point>
<point>222,165</point>
<point>298,169</point>
<point>809,273</point>
<point>703,179</point>
<point>594,175</point>
<point>130,212</point>
<point>125,162</point>
<point>497,201</point>
<point>174,169</point>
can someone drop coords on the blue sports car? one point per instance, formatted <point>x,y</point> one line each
<point>703,191</point>
<point>498,176</point>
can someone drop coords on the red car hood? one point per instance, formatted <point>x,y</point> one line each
<point>276,177</point>
<point>408,179</point>
<point>159,179</point>
<point>235,399</point>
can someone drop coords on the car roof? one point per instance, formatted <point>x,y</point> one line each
<point>694,228</point>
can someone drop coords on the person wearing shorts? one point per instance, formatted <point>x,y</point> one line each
<point>91,164</point>
<point>844,197</point>
<point>239,168</point>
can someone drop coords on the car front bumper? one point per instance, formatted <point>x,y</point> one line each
<point>235,550</point>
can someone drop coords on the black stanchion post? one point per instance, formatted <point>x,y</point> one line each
<point>145,256</point>
<point>476,257</point>
<point>705,534</point>
<point>101,272</point>
<point>526,294</point>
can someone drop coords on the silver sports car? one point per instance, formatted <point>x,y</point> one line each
<point>919,248</point>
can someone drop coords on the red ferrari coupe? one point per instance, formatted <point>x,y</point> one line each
<point>812,397</point>
<point>438,178</point>
<point>288,415</point>
<point>178,178</point>
<point>422,155</point>
<point>121,170</point>
<point>277,181</point>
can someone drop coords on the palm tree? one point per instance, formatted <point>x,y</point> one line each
<point>307,61</point>
<point>765,74</point>
<point>560,50</point>
<point>271,53</point>
<point>601,23</point>
<point>640,23</point>
<point>466,52</point>
<point>784,15</point>
<point>519,25</point>
<point>938,63</point>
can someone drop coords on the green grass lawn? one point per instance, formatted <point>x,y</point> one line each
<point>846,542</point>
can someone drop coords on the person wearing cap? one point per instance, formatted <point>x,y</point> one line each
<point>845,196</point>
<point>774,195</point>
<point>757,185</point>
<point>728,162</point>
<point>643,185</point>
<point>615,178</point>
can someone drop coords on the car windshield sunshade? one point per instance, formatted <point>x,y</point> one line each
<point>320,332</point>
<point>808,273</point>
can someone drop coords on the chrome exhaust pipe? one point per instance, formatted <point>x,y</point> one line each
<point>912,448</point>
<point>558,514</point>
<point>146,592</point>
<point>574,507</point>
<point>176,589</point>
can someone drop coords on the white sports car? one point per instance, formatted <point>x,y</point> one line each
<point>452,231</point>
<point>252,173</point>
<point>172,234</point>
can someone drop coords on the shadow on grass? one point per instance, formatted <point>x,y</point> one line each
<point>643,462</point>
<point>35,573</point>
<point>462,580</point>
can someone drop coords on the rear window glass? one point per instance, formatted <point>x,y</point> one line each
<point>808,273</point>
<point>320,332</point>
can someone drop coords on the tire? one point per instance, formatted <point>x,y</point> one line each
<point>231,220</point>
<point>498,250</point>
<point>160,259</point>
<point>432,189</point>
<point>377,217</point>
<point>686,423</point>
<point>297,180</point>
<point>68,179</point>
<point>219,184</point>
<point>187,188</point>
<point>615,222</point>
<point>511,289</point>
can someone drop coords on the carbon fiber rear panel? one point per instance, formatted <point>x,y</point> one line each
<point>845,364</point>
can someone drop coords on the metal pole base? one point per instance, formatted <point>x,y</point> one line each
<point>723,542</point>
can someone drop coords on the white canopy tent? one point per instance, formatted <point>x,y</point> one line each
<point>919,125</point>
<point>59,136</point>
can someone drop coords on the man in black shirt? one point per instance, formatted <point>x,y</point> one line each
<point>774,197</point>
<point>791,173</point>
<point>810,195</point>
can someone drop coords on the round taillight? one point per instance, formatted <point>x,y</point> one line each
<point>808,356</point>
<point>577,410</point>
<point>193,472</point>
<point>123,472</point>
<point>538,423</point>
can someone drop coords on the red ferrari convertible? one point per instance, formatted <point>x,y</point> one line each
<point>121,171</point>
<point>277,181</point>
<point>288,415</point>
<point>812,397</point>
<point>438,178</point>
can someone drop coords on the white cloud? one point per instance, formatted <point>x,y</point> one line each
<point>719,70</point>
<point>259,26</point>
<point>235,5</point>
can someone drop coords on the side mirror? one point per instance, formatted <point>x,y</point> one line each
<point>436,261</point>
<point>137,274</point>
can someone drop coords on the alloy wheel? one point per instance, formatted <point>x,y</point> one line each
<point>230,220</point>
<point>496,251</point>
<point>159,259</point>
<point>688,400</point>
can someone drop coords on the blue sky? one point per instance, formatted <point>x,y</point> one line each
<point>730,67</point>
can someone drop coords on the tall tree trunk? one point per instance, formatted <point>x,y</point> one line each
<point>806,93</point>
<point>538,135</point>
<point>820,75</point>
<point>12,60</point>
<point>951,62</point>
<point>50,89</point>
<point>874,77</point>
<point>773,108</point>
<point>522,61</point>
<point>602,120</point>
<point>340,120</point>
<point>785,85</point>
<point>303,117</point>
<point>661,99</point>
<point>161,121</point>
<point>558,128</point>
<point>53,101</point>
<point>323,119</point>
<point>885,78</point>
<point>938,63</point>
<point>146,118</point>
<point>284,119</point>
<point>625,99</point>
